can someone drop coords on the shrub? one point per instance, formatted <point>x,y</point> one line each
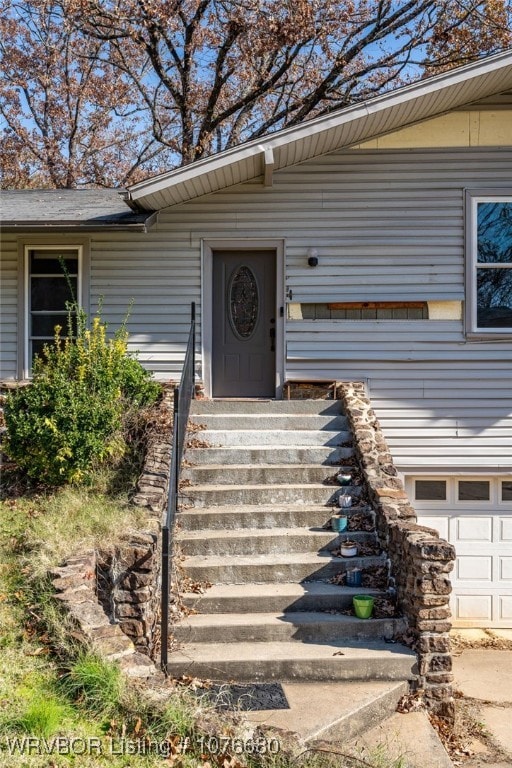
<point>70,417</point>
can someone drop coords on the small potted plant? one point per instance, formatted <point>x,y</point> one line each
<point>348,548</point>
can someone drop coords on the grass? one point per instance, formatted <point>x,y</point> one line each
<point>50,687</point>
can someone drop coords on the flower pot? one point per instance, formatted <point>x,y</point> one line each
<point>339,523</point>
<point>348,550</point>
<point>344,479</point>
<point>344,501</point>
<point>363,606</point>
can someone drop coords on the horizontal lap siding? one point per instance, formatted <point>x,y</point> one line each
<point>388,226</point>
<point>441,402</point>
<point>9,308</point>
<point>161,274</point>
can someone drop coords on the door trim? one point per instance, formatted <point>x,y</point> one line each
<point>250,244</point>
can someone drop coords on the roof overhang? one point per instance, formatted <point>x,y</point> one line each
<point>67,226</point>
<point>341,128</point>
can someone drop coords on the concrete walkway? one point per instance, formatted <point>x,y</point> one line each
<point>485,675</point>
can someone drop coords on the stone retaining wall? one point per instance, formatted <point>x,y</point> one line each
<point>75,586</point>
<point>420,560</point>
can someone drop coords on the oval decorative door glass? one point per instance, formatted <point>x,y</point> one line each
<point>243,302</point>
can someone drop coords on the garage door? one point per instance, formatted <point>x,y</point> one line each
<point>475,515</point>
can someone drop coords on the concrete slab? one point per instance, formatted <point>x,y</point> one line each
<point>470,635</point>
<point>497,722</point>
<point>331,710</point>
<point>407,736</point>
<point>484,674</point>
<point>503,634</point>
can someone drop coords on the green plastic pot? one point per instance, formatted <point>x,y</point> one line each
<point>363,606</point>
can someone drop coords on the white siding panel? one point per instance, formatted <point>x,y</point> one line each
<point>161,273</point>
<point>388,226</point>
<point>9,308</point>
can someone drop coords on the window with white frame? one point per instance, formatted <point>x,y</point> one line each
<point>52,282</point>
<point>489,284</point>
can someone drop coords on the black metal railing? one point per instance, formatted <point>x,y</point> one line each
<point>182,398</point>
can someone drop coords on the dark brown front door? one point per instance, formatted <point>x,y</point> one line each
<point>244,324</point>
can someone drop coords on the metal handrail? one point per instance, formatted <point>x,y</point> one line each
<point>183,395</point>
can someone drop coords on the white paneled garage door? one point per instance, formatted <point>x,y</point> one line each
<point>475,515</point>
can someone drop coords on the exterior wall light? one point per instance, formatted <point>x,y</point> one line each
<point>313,257</point>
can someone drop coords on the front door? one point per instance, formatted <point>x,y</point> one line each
<point>244,324</point>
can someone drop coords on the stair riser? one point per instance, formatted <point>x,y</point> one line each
<point>266,545</point>
<point>258,518</point>
<point>258,475</point>
<point>282,437</point>
<point>282,455</point>
<point>265,495</point>
<point>266,421</point>
<point>364,718</point>
<point>374,629</point>
<point>314,407</point>
<point>274,604</point>
<point>266,574</point>
<point>288,670</point>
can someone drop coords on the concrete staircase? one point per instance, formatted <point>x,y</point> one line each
<point>261,496</point>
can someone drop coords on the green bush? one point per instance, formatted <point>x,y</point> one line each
<point>70,417</point>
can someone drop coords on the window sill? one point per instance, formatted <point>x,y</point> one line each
<point>489,336</point>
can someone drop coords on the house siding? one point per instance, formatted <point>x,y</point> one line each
<point>388,226</point>
<point>9,305</point>
<point>161,274</point>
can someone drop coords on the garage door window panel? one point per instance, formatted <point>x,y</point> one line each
<point>474,490</point>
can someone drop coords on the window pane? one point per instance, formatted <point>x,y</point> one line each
<point>37,346</point>
<point>474,490</point>
<point>44,325</point>
<point>495,232</point>
<point>430,490</point>
<point>51,293</point>
<point>506,491</point>
<point>53,262</point>
<point>494,298</point>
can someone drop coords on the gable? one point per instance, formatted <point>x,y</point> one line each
<point>461,128</point>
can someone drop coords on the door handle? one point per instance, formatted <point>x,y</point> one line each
<point>272,339</point>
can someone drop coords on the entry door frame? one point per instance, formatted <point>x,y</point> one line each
<point>240,244</point>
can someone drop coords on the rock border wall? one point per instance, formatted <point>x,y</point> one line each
<point>420,560</point>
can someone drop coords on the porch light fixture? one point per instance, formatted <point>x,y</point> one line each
<point>313,257</point>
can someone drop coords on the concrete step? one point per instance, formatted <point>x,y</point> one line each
<point>410,737</point>
<point>261,516</point>
<point>201,496</point>
<point>335,712</point>
<point>274,598</point>
<point>259,473</point>
<point>266,406</point>
<point>308,627</point>
<point>268,569</point>
<point>269,421</point>
<point>264,455</point>
<point>258,541</point>
<point>340,660</point>
<point>275,437</point>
